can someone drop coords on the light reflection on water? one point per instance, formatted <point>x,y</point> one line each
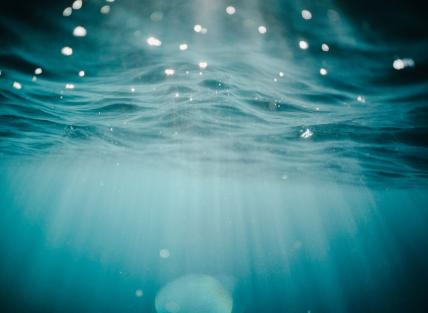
<point>200,81</point>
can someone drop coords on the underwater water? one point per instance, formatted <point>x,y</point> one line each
<point>213,156</point>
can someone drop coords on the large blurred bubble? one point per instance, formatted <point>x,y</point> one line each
<point>194,294</point>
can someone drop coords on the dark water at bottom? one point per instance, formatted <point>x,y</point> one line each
<point>91,235</point>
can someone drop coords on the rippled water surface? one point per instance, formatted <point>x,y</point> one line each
<point>236,95</point>
<point>269,156</point>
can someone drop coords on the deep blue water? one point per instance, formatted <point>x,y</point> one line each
<point>213,156</point>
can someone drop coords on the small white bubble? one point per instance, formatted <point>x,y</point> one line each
<point>203,64</point>
<point>281,74</point>
<point>153,41</point>
<point>79,31</point>
<point>262,29</point>
<point>400,64</point>
<point>361,99</point>
<point>164,253</point>
<point>303,44</point>
<point>230,10</point>
<point>323,71</point>
<point>325,47</point>
<point>197,28</point>
<point>132,89</point>
<point>67,51</point>
<point>17,85</point>
<point>105,9</point>
<point>183,46</point>
<point>38,71</point>
<point>169,72</point>
<point>77,5</point>
<point>139,293</point>
<point>306,134</point>
<point>69,86</point>
<point>82,73</point>
<point>67,11</point>
<point>306,14</point>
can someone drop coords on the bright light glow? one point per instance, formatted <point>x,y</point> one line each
<point>79,31</point>
<point>197,28</point>
<point>152,41</point>
<point>400,64</point>
<point>17,85</point>
<point>306,134</point>
<point>38,71</point>
<point>323,71</point>
<point>183,46</point>
<point>82,73</point>
<point>194,293</point>
<point>306,14</point>
<point>281,74</point>
<point>361,99</point>
<point>105,9</point>
<point>67,51</point>
<point>262,29</point>
<point>203,64</point>
<point>325,47</point>
<point>132,89</point>
<point>230,10</point>
<point>169,72</point>
<point>303,44</point>
<point>67,11</point>
<point>77,5</point>
<point>69,86</point>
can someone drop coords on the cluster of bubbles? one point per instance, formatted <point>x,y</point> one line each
<point>67,51</point>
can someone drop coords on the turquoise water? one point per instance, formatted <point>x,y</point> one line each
<point>213,156</point>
